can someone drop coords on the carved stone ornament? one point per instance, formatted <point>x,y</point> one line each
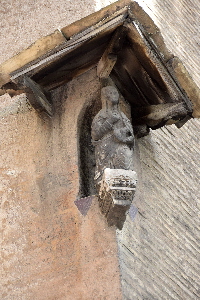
<point>116,193</point>
<point>113,138</point>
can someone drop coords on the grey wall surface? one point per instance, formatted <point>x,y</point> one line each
<point>160,251</point>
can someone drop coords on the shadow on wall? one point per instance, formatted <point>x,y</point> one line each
<point>86,149</point>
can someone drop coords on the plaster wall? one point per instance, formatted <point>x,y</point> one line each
<point>49,250</point>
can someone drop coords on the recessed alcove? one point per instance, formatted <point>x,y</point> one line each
<point>86,148</point>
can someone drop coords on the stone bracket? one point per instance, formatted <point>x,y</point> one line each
<point>109,56</point>
<point>117,189</point>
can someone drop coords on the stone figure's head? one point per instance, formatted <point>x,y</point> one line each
<point>109,95</point>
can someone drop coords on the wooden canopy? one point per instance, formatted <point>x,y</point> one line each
<point>124,44</point>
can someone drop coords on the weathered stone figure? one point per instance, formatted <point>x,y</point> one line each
<point>112,135</point>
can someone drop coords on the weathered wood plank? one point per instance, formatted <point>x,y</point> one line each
<point>156,69</point>
<point>39,101</point>
<point>74,63</point>
<point>137,13</point>
<point>54,57</point>
<point>137,86</point>
<point>109,57</point>
<point>187,84</point>
<point>36,50</point>
<point>103,15</point>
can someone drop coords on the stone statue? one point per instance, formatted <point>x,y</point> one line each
<point>113,138</point>
<point>112,135</point>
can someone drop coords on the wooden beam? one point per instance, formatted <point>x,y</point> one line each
<point>11,89</point>
<point>109,56</point>
<point>154,66</point>
<point>100,17</point>
<point>35,51</point>
<point>155,115</point>
<point>187,83</point>
<point>39,101</point>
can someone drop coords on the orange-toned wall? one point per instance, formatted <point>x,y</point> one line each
<point>49,249</point>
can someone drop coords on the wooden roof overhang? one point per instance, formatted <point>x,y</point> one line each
<point>127,46</point>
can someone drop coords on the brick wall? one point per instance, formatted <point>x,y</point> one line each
<point>159,250</point>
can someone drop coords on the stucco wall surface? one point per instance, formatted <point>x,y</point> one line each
<point>160,249</point>
<point>49,250</point>
<point>22,22</point>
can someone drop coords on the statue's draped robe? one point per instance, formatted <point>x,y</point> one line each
<point>113,143</point>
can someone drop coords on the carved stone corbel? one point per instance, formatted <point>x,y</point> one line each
<point>117,190</point>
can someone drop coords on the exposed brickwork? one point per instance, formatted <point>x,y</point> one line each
<point>160,250</point>
<point>179,25</point>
